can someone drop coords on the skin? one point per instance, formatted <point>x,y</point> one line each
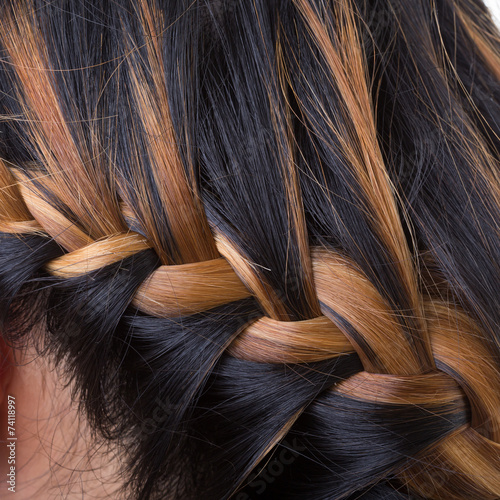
<point>55,454</point>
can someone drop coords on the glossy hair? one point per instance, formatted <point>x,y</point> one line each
<point>262,238</point>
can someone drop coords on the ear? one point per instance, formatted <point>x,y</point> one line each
<point>6,370</point>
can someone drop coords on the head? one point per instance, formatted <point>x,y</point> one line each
<point>252,247</point>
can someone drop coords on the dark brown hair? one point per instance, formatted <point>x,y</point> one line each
<point>262,238</point>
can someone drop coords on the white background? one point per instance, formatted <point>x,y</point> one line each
<point>494,6</point>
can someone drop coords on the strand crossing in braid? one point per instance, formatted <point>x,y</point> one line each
<point>261,239</point>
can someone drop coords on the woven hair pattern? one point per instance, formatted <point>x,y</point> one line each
<point>268,256</point>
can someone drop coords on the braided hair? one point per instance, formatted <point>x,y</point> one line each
<point>262,238</point>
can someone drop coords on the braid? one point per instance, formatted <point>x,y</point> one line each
<point>262,239</point>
